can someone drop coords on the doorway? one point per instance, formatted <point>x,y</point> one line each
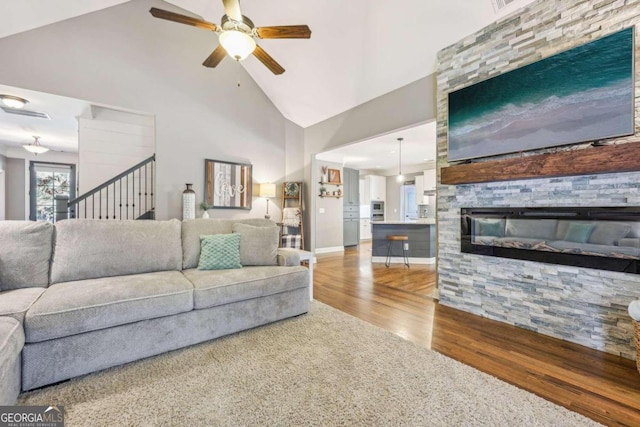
<point>46,182</point>
<point>409,206</point>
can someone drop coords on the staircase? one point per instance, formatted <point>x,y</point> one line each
<point>128,195</point>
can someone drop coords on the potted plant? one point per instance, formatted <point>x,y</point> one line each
<point>323,190</point>
<point>205,207</point>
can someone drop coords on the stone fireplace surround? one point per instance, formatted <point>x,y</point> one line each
<point>582,305</point>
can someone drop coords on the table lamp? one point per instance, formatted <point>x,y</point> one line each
<point>267,191</point>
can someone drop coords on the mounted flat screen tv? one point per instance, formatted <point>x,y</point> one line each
<point>583,94</point>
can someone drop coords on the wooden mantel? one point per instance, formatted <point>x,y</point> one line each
<point>592,160</point>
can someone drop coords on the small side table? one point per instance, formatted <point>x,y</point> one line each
<point>305,256</point>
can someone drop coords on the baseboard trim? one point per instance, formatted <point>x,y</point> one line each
<point>400,260</point>
<point>329,249</point>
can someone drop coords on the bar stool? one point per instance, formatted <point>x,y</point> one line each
<point>404,240</point>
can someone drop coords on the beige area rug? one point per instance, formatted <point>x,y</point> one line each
<point>324,368</point>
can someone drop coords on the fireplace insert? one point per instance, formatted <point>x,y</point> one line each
<point>606,238</point>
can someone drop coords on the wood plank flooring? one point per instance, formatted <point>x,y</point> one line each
<point>598,385</point>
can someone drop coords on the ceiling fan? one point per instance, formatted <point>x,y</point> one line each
<point>237,35</point>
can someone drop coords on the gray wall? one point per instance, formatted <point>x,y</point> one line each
<point>581,305</point>
<point>405,107</point>
<point>15,184</point>
<point>124,57</point>
<point>329,225</point>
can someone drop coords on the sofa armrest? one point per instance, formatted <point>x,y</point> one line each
<point>629,242</point>
<point>288,257</point>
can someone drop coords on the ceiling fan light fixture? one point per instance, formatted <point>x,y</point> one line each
<point>35,146</point>
<point>13,101</point>
<point>238,45</point>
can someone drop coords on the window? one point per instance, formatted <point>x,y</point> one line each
<point>50,181</point>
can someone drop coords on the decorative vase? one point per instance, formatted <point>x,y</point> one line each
<point>188,203</point>
<point>205,215</point>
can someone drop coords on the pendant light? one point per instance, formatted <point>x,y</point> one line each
<point>400,177</point>
<point>35,147</point>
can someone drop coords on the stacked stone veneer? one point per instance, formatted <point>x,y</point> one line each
<point>585,306</point>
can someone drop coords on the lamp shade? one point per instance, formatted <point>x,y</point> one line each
<point>35,146</point>
<point>238,45</point>
<point>267,190</point>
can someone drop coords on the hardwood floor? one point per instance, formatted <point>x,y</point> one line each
<point>598,385</point>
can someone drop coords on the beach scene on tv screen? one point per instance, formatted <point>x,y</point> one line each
<point>583,94</point>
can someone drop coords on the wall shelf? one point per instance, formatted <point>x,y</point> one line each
<point>592,160</point>
<point>330,195</point>
<point>329,183</point>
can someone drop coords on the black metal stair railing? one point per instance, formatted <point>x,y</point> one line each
<point>126,196</point>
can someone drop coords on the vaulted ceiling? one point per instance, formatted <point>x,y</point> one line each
<point>359,49</point>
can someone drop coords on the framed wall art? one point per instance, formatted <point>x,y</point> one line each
<point>227,184</point>
<point>579,95</point>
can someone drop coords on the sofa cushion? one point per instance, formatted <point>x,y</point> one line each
<point>192,229</point>
<point>25,253</point>
<point>219,287</point>
<point>16,302</point>
<point>88,249</point>
<point>489,227</point>
<point>542,229</point>
<point>258,245</point>
<point>608,233</point>
<point>11,343</point>
<point>577,232</point>
<point>219,252</point>
<point>87,305</point>
<point>629,242</point>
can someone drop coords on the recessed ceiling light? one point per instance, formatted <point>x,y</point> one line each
<point>13,101</point>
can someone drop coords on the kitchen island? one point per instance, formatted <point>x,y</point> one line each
<point>422,241</point>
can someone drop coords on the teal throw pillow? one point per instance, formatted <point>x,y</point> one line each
<point>578,233</point>
<point>219,252</point>
<point>492,228</point>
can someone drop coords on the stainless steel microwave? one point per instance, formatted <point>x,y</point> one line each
<point>377,207</point>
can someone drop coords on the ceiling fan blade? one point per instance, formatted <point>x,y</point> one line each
<point>232,9</point>
<point>216,56</point>
<point>268,61</point>
<point>182,19</point>
<point>284,32</point>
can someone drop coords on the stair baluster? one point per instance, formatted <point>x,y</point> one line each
<point>114,193</point>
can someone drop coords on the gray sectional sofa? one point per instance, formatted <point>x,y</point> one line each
<point>86,295</point>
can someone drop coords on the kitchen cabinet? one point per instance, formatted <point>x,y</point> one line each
<point>351,226</point>
<point>429,180</point>
<point>365,229</point>
<point>351,181</point>
<point>377,186</point>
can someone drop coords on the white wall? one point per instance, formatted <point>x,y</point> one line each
<point>123,56</point>
<point>110,142</point>
<point>405,107</point>
<point>2,186</point>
